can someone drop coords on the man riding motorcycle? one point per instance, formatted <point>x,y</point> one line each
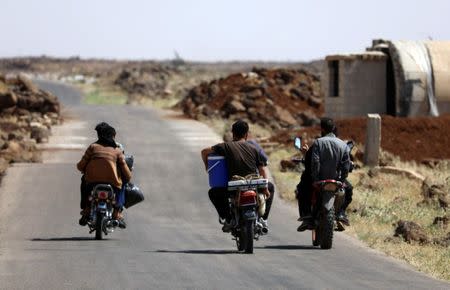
<point>243,159</point>
<point>103,162</point>
<point>329,157</point>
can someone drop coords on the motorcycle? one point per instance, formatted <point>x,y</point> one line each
<point>103,200</point>
<point>327,199</point>
<point>247,205</point>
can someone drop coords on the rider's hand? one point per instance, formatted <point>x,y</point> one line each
<point>304,148</point>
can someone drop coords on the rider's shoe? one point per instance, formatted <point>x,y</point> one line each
<point>307,224</point>
<point>339,227</point>
<point>84,217</point>
<point>122,223</point>
<point>117,215</point>
<point>228,226</point>
<point>83,220</point>
<point>342,217</point>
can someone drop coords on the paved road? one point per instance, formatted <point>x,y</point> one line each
<point>173,240</point>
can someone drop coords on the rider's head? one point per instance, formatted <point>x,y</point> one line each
<point>105,131</point>
<point>327,126</point>
<point>239,130</point>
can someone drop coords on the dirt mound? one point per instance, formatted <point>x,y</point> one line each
<point>26,116</point>
<point>275,98</point>
<point>149,81</point>
<point>442,221</point>
<point>418,138</point>
<point>411,232</point>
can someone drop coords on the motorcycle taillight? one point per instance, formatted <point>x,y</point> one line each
<point>330,186</point>
<point>247,197</point>
<point>102,195</point>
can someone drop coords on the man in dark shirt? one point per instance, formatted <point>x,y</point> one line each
<point>242,159</point>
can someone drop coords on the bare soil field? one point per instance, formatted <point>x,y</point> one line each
<point>412,139</point>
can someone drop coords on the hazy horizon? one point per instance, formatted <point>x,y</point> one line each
<point>202,31</point>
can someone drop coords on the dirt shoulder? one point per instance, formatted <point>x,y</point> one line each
<point>26,117</point>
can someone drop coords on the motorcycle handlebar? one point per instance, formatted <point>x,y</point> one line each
<point>298,160</point>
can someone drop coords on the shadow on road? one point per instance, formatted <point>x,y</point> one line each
<point>289,247</point>
<point>65,239</point>
<point>200,252</point>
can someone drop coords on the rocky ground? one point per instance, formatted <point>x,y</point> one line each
<point>26,116</point>
<point>140,80</point>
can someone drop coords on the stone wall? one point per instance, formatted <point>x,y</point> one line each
<point>362,86</point>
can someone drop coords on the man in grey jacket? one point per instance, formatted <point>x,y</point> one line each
<point>330,160</point>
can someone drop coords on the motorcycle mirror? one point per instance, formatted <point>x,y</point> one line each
<point>298,143</point>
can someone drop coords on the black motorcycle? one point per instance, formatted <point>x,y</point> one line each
<point>103,201</point>
<point>327,199</point>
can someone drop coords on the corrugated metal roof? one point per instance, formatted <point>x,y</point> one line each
<point>440,61</point>
<point>368,55</point>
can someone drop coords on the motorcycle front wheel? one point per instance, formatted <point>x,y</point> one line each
<point>99,226</point>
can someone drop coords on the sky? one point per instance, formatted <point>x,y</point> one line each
<point>213,30</point>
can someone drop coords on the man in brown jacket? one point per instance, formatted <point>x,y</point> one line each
<point>103,162</point>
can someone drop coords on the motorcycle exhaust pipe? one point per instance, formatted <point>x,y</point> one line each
<point>112,223</point>
<point>263,229</point>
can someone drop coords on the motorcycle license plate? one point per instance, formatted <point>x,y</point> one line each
<point>249,214</point>
<point>101,205</point>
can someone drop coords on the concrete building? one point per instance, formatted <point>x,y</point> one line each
<point>400,78</point>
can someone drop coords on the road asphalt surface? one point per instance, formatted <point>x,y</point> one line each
<point>173,239</point>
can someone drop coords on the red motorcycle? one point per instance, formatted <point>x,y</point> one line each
<point>247,204</point>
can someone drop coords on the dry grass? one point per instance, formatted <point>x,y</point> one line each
<point>286,181</point>
<point>381,201</point>
<point>160,103</point>
<point>98,94</point>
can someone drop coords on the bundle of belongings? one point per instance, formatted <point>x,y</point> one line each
<point>133,194</point>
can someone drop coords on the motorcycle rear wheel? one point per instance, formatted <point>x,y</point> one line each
<point>327,229</point>
<point>247,236</point>
<point>99,226</point>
